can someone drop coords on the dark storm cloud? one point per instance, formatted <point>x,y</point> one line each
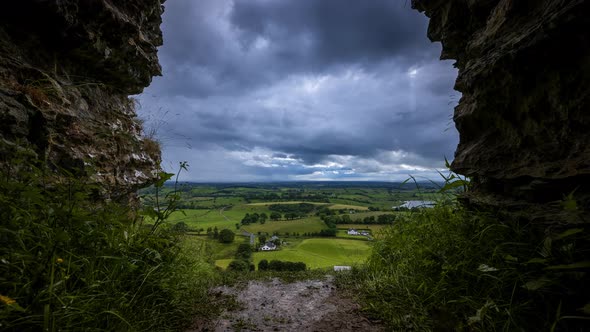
<point>327,32</point>
<point>277,89</point>
<point>214,47</point>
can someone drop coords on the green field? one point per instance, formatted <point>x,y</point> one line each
<point>225,205</point>
<point>348,206</point>
<point>288,202</point>
<point>319,252</point>
<point>304,225</point>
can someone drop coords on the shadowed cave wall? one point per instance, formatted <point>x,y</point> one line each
<point>67,68</point>
<point>523,120</point>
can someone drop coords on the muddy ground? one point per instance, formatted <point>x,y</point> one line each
<point>310,305</point>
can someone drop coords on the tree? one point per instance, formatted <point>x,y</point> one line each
<point>244,251</point>
<point>226,236</point>
<point>180,227</point>
<point>263,218</point>
<point>238,265</point>
<point>262,240</point>
<point>263,265</point>
<point>275,216</point>
<point>216,233</point>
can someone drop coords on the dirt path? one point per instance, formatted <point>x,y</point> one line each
<point>223,215</point>
<point>311,305</point>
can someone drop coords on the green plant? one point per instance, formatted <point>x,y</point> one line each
<point>161,208</point>
<point>70,261</point>
<point>448,268</point>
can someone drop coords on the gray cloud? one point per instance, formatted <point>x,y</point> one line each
<point>259,90</point>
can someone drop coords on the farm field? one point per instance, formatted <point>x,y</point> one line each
<point>304,225</point>
<point>319,252</point>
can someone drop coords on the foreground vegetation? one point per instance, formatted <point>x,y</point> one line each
<point>72,262</point>
<point>452,269</point>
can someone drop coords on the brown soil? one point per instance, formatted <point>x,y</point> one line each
<point>310,305</point>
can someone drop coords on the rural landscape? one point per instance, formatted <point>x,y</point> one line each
<point>319,224</point>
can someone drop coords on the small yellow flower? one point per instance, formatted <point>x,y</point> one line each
<point>59,261</point>
<point>7,300</point>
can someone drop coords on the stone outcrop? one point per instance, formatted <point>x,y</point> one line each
<point>523,119</point>
<point>67,68</point>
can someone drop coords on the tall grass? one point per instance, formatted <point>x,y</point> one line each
<point>69,261</point>
<point>451,269</point>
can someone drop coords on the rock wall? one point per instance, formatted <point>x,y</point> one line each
<point>67,68</point>
<point>523,120</point>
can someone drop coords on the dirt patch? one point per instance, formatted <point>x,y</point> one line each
<point>311,305</point>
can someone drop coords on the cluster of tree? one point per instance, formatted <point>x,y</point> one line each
<point>388,218</point>
<point>300,209</point>
<point>381,219</point>
<point>180,227</point>
<point>241,265</point>
<point>213,232</point>
<point>224,236</point>
<point>243,259</point>
<point>254,218</point>
<point>285,196</point>
<point>276,265</point>
<point>244,251</point>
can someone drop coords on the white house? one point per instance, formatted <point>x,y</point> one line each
<point>352,232</point>
<point>268,246</point>
<point>342,268</point>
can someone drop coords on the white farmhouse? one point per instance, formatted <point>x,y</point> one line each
<point>268,246</point>
<point>352,232</point>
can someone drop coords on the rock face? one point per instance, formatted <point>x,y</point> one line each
<point>67,68</point>
<point>524,71</point>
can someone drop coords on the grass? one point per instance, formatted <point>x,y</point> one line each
<point>304,225</point>
<point>348,206</point>
<point>319,252</point>
<point>287,202</point>
<point>215,250</point>
<point>451,269</point>
<point>70,264</point>
<point>196,219</point>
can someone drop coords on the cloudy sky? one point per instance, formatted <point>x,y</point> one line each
<point>290,90</point>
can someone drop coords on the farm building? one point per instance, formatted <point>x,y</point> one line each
<point>268,246</point>
<point>353,232</point>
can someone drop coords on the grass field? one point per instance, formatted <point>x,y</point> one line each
<point>348,206</point>
<point>319,252</point>
<point>203,219</point>
<point>288,202</point>
<point>304,225</point>
<point>215,249</point>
